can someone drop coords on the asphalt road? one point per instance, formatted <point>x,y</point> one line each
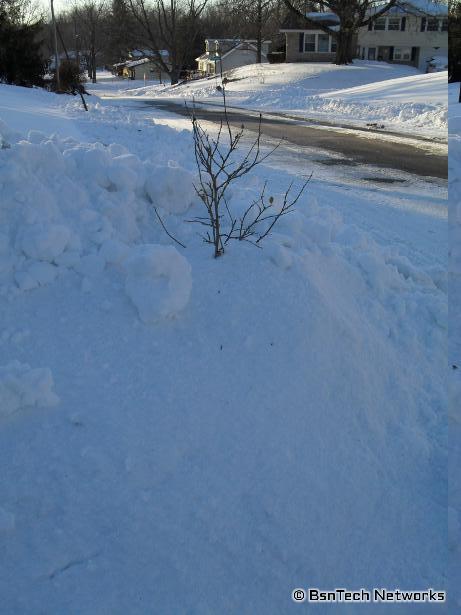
<point>383,153</point>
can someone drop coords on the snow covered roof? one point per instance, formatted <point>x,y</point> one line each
<point>417,7</point>
<point>134,63</point>
<point>332,17</point>
<point>430,7</point>
<point>146,53</point>
<point>295,22</point>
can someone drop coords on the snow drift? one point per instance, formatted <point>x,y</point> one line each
<point>68,206</point>
<point>286,429</point>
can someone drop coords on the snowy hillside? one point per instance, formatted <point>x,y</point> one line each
<point>180,434</point>
<point>400,97</point>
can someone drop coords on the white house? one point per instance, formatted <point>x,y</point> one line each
<point>412,32</point>
<point>225,54</point>
<point>142,64</point>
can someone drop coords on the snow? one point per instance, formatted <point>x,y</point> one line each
<point>454,349</point>
<point>398,96</point>
<point>21,386</point>
<point>227,429</point>
<point>39,108</point>
<point>158,281</point>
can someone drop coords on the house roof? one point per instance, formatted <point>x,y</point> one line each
<point>137,54</point>
<point>238,45</point>
<point>134,63</point>
<point>228,46</point>
<point>295,22</point>
<point>416,7</point>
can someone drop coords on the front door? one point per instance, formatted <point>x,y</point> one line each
<point>384,54</point>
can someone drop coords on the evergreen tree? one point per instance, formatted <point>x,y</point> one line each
<point>21,62</point>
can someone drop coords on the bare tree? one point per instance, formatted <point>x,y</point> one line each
<point>220,163</point>
<point>90,14</point>
<point>352,14</point>
<point>23,12</point>
<point>170,25</point>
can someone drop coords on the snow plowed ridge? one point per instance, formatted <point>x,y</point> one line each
<point>70,207</point>
<point>278,410</point>
<point>414,114</point>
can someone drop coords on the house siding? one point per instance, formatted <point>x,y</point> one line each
<point>423,45</point>
<point>411,37</point>
<point>294,55</point>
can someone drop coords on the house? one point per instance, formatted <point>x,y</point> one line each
<point>142,64</point>
<point>224,54</point>
<point>412,32</point>
<point>309,44</point>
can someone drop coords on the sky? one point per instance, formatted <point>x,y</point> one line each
<point>59,5</point>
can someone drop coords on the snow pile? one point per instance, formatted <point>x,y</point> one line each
<point>171,187</point>
<point>68,206</point>
<point>159,281</point>
<point>21,386</point>
<point>416,101</point>
<point>260,430</point>
<point>454,518</point>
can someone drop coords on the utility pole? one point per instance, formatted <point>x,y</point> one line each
<point>56,54</point>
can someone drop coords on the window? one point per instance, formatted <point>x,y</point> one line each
<point>393,23</point>
<point>380,24</point>
<point>372,53</point>
<point>402,53</point>
<point>432,25</point>
<point>444,25</point>
<point>309,42</point>
<point>323,43</point>
<point>319,43</point>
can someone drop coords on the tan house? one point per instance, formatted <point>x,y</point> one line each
<point>309,45</point>
<point>226,54</point>
<point>413,32</point>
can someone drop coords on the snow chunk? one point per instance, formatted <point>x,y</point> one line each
<point>22,386</point>
<point>170,187</point>
<point>45,243</point>
<point>158,282</point>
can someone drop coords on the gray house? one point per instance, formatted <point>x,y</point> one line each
<point>412,33</point>
<point>225,54</point>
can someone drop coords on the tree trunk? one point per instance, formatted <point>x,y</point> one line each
<point>259,33</point>
<point>174,76</point>
<point>344,47</point>
<point>93,66</point>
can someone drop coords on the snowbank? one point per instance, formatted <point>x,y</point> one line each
<point>70,206</point>
<point>454,518</point>
<point>290,422</point>
<point>365,92</point>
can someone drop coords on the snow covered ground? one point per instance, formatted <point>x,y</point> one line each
<point>398,97</point>
<point>454,515</point>
<point>187,435</point>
